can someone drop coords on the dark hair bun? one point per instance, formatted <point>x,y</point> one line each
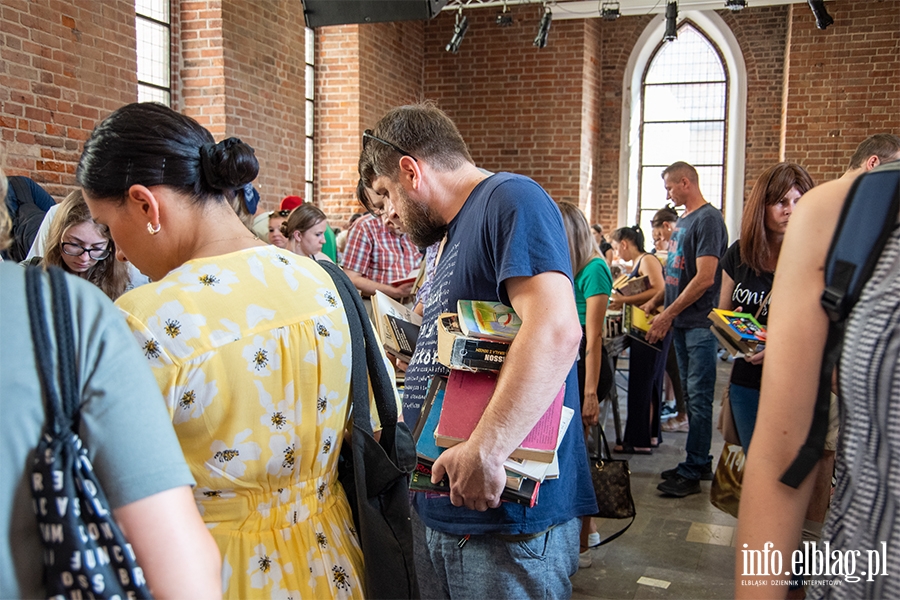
<point>229,164</point>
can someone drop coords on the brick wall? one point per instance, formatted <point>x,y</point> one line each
<point>202,66</point>
<point>617,39</point>
<point>63,66</point>
<point>518,107</point>
<point>264,90</point>
<point>843,83</point>
<point>762,35</point>
<point>363,70</point>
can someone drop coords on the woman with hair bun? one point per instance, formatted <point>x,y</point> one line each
<point>84,248</point>
<point>249,345</point>
<point>646,365</point>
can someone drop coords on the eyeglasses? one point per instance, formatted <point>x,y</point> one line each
<point>279,213</point>
<point>76,250</point>
<point>367,135</point>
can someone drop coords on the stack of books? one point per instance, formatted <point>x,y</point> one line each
<point>473,343</point>
<point>397,326</point>
<point>739,333</point>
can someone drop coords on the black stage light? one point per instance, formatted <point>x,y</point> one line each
<point>823,19</point>
<point>544,29</point>
<point>609,11</point>
<point>504,19</point>
<point>671,33</point>
<point>459,32</point>
<point>735,5</point>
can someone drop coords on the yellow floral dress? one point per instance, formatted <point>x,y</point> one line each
<point>252,353</point>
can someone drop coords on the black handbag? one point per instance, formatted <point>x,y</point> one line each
<point>375,473</point>
<point>85,552</point>
<point>612,484</point>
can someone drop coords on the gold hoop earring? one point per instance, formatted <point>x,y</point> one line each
<point>153,230</point>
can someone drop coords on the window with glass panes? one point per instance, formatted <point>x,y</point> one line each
<point>152,25</point>
<point>310,108</point>
<point>683,118</point>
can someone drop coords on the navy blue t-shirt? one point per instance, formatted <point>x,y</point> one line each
<point>700,233</point>
<point>508,227</point>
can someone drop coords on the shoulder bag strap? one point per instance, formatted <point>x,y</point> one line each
<point>367,364</point>
<point>57,422</point>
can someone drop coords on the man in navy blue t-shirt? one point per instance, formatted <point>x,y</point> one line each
<point>504,242</point>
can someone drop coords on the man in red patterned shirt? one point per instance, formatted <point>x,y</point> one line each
<point>378,253</point>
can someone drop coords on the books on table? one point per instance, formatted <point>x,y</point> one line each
<point>739,333</point>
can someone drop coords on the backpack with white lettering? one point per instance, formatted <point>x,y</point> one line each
<point>85,553</point>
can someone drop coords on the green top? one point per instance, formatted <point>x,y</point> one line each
<point>330,247</point>
<point>593,280</point>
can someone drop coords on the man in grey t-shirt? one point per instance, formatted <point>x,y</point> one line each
<point>693,279</point>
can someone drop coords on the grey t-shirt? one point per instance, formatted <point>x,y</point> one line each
<point>699,233</point>
<point>124,422</point>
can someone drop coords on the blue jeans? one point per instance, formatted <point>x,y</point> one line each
<point>744,404</point>
<point>488,566</point>
<point>695,349</point>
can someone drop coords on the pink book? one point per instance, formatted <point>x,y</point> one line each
<point>465,400</point>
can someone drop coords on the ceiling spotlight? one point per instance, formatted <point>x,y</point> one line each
<point>544,28</point>
<point>459,32</point>
<point>671,33</point>
<point>823,19</point>
<point>504,19</point>
<point>609,11</point>
<point>735,5</point>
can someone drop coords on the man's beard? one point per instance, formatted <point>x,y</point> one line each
<point>422,225</point>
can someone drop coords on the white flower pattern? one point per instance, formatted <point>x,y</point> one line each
<point>191,398</point>
<point>229,460</point>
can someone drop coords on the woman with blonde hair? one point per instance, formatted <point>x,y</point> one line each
<point>593,286</point>
<point>84,248</point>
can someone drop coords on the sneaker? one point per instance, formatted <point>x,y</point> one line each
<point>585,559</point>
<point>705,475</point>
<point>593,539</point>
<point>679,486</point>
<point>667,412</point>
<point>675,425</point>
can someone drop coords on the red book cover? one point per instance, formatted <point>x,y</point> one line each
<point>465,400</point>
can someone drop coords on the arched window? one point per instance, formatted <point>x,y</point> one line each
<point>686,101</point>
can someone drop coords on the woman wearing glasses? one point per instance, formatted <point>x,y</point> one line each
<point>84,248</point>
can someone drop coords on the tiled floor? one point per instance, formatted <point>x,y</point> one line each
<point>677,548</point>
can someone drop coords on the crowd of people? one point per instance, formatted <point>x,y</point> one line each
<point>215,393</point>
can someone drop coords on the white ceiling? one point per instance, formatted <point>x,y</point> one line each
<point>585,9</point>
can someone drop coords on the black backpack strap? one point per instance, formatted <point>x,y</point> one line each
<point>62,410</point>
<point>367,366</point>
<point>867,219</point>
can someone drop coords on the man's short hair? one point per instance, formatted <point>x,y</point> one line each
<point>886,146</point>
<point>682,169</point>
<point>422,130</point>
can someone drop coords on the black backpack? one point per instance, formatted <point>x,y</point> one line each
<point>26,220</point>
<point>85,553</point>
<point>867,219</point>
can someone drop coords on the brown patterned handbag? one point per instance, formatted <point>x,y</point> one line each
<point>612,483</point>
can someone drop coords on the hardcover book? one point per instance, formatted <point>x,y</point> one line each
<point>457,351</point>
<point>526,494</point>
<point>488,320</point>
<point>631,286</point>
<point>465,399</point>
<point>400,337</point>
<point>636,325</point>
